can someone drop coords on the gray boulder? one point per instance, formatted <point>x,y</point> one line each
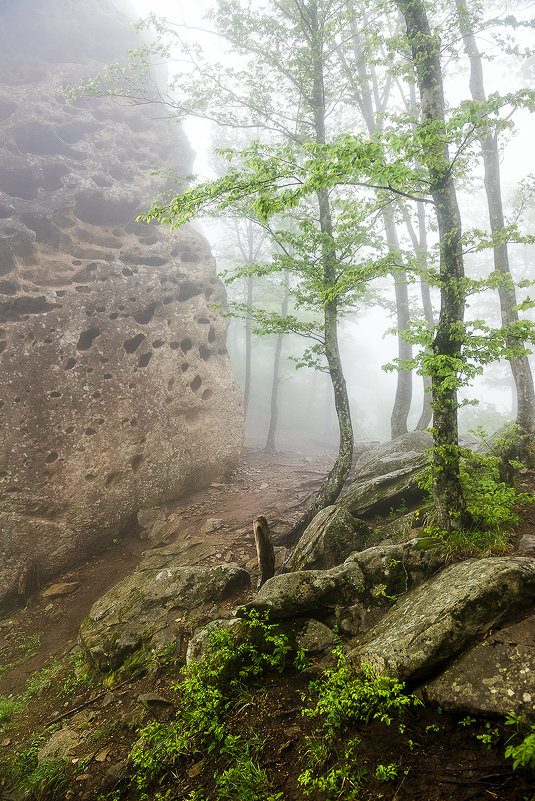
<point>387,476</point>
<point>435,621</point>
<point>367,579</point>
<point>331,536</point>
<point>497,677</point>
<point>147,608</point>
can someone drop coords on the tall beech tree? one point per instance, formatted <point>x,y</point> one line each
<point>488,138</point>
<point>446,355</point>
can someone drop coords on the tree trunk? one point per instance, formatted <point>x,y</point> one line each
<point>248,339</point>
<point>335,479</point>
<point>419,244</point>
<point>274,416</point>
<point>448,496</point>
<point>366,75</point>
<point>402,401</point>
<point>523,379</point>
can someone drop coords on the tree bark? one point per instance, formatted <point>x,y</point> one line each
<point>520,367</point>
<point>448,496</point>
<point>274,406</point>
<point>248,346</point>
<point>335,479</point>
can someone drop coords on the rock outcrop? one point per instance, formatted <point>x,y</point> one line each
<point>443,616</point>
<point>387,476</point>
<point>142,610</point>
<point>117,391</point>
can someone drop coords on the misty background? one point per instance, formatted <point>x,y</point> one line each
<point>307,418</point>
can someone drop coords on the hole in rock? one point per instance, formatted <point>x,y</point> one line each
<point>170,383</point>
<point>196,383</point>
<point>145,315</point>
<point>204,353</point>
<point>186,345</point>
<point>158,343</point>
<point>90,476</point>
<point>3,345</point>
<point>144,359</point>
<point>189,257</point>
<point>188,290</point>
<point>126,271</point>
<point>211,334</point>
<point>133,344</point>
<point>174,345</point>
<point>133,422</point>
<point>111,479</point>
<point>207,394</point>
<point>184,367</point>
<point>87,338</point>
<point>135,462</point>
<point>113,316</point>
<point>52,457</point>
<point>69,430</point>
<point>55,394</point>
<point>90,431</point>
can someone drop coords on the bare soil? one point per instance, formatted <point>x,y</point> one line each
<point>437,759</point>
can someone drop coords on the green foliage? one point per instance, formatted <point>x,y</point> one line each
<point>208,693</point>
<point>523,754</point>
<point>345,696</point>
<point>8,708</point>
<point>491,503</point>
<point>48,780</point>
<point>386,773</point>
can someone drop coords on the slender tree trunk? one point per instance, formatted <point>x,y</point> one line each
<point>447,491</point>
<point>419,244</point>
<point>248,345</point>
<point>403,399</point>
<point>274,416</point>
<point>335,479</point>
<point>368,103</point>
<point>523,379</point>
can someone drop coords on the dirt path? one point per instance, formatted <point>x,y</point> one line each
<point>272,485</point>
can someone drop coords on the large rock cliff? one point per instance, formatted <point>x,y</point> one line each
<point>116,386</point>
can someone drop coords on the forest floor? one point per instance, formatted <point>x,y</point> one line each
<point>437,759</point>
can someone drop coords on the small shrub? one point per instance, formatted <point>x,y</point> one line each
<point>523,754</point>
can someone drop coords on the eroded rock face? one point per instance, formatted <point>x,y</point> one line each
<point>116,386</point>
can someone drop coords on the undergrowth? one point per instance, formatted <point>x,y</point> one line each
<point>491,503</point>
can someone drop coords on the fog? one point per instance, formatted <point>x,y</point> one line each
<point>367,341</point>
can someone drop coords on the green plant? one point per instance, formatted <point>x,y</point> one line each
<point>491,504</point>
<point>8,708</point>
<point>209,691</point>
<point>386,773</point>
<point>467,721</point>
<point>47,780</point>
<point>343,780</point>
<point>301,660</point>
<point>523,754</point>
<point>489,737</point>
<point>42,679</point>
<point>345,696</point>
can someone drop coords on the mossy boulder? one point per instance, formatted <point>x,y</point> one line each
<point>329,539</point>
<point>146,609</point>
<point>437,620</point>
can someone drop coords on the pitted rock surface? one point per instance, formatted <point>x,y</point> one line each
<point>117,391</point>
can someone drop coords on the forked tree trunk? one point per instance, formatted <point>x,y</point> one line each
<point>448,496</point>
<point>520,367</point>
